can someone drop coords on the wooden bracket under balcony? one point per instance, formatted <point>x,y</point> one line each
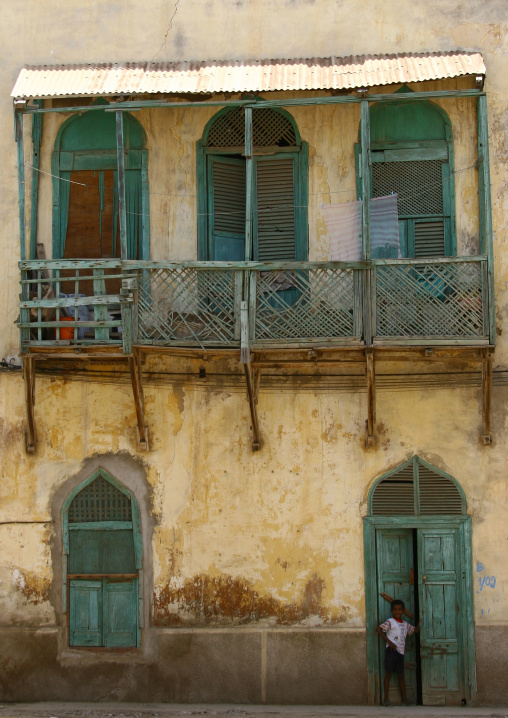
<point>252,379</point>
<point>371,396</point>
<point>29,379</point>
<point>139,399</point>
<point>486,394</point>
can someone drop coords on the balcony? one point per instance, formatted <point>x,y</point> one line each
<point>116,305</point>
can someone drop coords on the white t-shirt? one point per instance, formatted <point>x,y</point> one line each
<point>396,632</point>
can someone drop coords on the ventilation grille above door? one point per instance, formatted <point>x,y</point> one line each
<point>269,129</point>
<point>100,501</point>
<point>436,493</point>
<point>395,495</point>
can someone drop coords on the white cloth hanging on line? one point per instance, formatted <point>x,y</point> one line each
<point>344,227</point>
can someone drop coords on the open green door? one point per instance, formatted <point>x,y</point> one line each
<point>440,608</point>
<point>396,577</point>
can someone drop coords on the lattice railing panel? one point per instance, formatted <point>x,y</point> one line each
<point>188,305</point>
<point>305,304</point>
<point>430,300</point>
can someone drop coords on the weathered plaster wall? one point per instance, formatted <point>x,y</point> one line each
<point>268,543</point>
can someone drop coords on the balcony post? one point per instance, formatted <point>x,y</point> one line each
<point>249,172</point>
<point>485,207</point>
<point>18,129</point>
<point>121,184</point>
<point>366,191</point>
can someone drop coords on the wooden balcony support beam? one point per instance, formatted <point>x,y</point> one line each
<point>139,399</point>
<point>252,378</point>
<point>486,395</point>
<point>371,396</point>
<point>29,380</point>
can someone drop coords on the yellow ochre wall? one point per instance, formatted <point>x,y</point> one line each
<point>277,532</point>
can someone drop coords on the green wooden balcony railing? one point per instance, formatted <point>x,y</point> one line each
<point>228,305</point>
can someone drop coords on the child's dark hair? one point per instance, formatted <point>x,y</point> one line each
<point>397,602</point>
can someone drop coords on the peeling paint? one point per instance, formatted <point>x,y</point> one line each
<point>217,600</point>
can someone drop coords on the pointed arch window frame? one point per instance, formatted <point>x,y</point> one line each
<point>415,461</point>
<point>135,525</point>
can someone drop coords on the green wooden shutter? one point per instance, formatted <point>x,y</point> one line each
<point>424,203</point>
<point>274,210</point>
<point>98,551</point>
<point>120,613</point>
<point>85,619</point>
<point>227,208</point>
<point>395,495</point>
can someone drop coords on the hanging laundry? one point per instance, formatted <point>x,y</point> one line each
<point>384,228</point>
<point>344,226</point>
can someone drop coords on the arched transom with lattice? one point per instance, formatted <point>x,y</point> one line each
<point>269,129</point>
<point>417,489</point>
<point>100,501</point>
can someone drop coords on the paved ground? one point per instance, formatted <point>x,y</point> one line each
<point>157,710</point>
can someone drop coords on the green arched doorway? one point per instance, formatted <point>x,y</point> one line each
<point>103,564</point>
<point>417,539</point>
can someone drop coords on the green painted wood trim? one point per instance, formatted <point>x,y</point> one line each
<point>249,201</point>
<point>97,300</point>
<point>105,475</point>
<point>366,179</point>
<point>415,522</point>
<point>145,208</point>
<point>486,229</point>
<point>201,202</point>
<point>468,620</point>
<point>370,563</point>
<point>138,536</point>
<point>34,202</point>
<point>302,209</point>
<point>55,232</point>
<point>101,525</point>
<point>121,185</point>
<point>18,123</point>
<point>40,264</point>
<point>449,198</point>
<point>327,100</point>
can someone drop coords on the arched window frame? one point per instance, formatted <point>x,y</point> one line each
<point>65,161</point>
<point>301,153</point>
<point>135,524</point>
<point>415,462</point>
<point>415,149</point>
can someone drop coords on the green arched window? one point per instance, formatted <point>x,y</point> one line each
<point>103,560</point>
<point>279,193</point>
<point>85,188</point>
<point>412,156</point>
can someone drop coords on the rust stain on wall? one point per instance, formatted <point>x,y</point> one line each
<point>209,600</point>
<point>33,587</point>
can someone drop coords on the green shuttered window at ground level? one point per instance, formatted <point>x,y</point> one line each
<point>102,540</point>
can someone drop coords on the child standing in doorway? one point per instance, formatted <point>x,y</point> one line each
<point>395,631</point>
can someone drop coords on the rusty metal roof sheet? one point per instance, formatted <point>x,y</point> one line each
<point>332,73</point>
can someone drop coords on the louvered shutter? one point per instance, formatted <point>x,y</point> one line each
<point>423,203</point>
<point>274,210</point>
<point>436,493</point>
<point>395,495</point>
<point>227,201</point>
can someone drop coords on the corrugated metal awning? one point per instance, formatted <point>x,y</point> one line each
<point>332,73</point>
